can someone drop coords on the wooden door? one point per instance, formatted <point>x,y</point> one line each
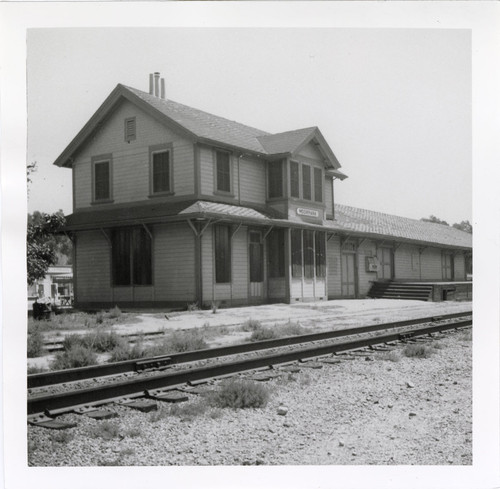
<point>256,257</point>
<point>386,259</point>
<point>348,274</point>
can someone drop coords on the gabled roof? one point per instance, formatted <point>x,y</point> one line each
<point>365,222</point>
<point>202,127</point>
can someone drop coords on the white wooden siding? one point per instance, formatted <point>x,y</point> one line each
<point>93,268</point>
<point>174,263</point>
<point>333,263</point>
<point>430,263</point>
<point>131,160</point>
<point>253,181</point>
<point>407,263</point>
<point>310,151</point>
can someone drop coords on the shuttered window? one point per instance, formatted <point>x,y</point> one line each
<point>276,253</point>
<point>101,180</point>
<point>308,254</point>
<point>318,185</point>
<point>306,182</point>
<point>222,254</point>
<point>275,179</point>
<point>130,131</point>
<point>294,180</point>
<point>161,171</point>
<point>223,171</point>
<point>320,254</point>
<point>296,237</point>
<point>131,257</point>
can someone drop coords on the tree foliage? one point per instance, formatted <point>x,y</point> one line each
<point>434,219</point>
<point>463,226</point>
<point>43,245</point>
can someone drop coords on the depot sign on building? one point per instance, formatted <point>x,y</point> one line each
<point>302,211</point>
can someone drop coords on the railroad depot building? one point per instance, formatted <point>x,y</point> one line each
<point>174,206</point>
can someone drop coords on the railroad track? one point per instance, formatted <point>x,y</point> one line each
<point>299,348</point>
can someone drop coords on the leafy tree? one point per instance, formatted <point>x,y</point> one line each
<point>434,219</point>
<point>464,226</point>
<point>42,244</point>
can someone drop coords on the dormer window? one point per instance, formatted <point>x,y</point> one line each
<point>318,185</point>
<point>101,179</point>
<point>223,171</point>
<point>275,179</point>
<point>130,129</point>
<point>306,182</point>
<point>294,180</point>
<point>160,161</point>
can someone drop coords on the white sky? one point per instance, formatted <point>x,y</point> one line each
<point>394,104</point>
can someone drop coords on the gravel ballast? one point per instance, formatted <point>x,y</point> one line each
<point>379,408</point>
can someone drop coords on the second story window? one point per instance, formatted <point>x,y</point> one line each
<point>275,179</point>
<point>223,171</point>
<point>161,171</point>
<point>160,168</point>
<point>306,182</point>
<point>318,185</point>
<point>294,180</point>
<point>101,176</point>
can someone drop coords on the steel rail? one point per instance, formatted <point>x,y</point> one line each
<point>71,375</point>
<point>67,400</point>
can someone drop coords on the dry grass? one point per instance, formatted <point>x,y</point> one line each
<point>418,350</point>
<point>240,394</point>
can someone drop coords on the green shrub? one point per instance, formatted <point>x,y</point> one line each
<point>77,356</point>
<point>260,333</point>
<point>417,350</point>
<point>239,394</point>
<point>35,344</point>
<point>99,317</point>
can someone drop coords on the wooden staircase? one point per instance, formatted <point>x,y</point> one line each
<point>400,290</point>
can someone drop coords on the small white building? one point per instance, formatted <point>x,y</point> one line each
<point>57,285</point>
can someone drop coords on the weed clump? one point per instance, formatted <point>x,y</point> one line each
<point>181,341</point>
<point>99,341</point>
<point>264,333</point>
<point>240,394</point>
<point>35,343</point>
<point>189,410</point>
<point>261,333</point>
<point>115,313</point>
<point>77,356</point>
<point>106,430</point>
<point>417,350</point>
